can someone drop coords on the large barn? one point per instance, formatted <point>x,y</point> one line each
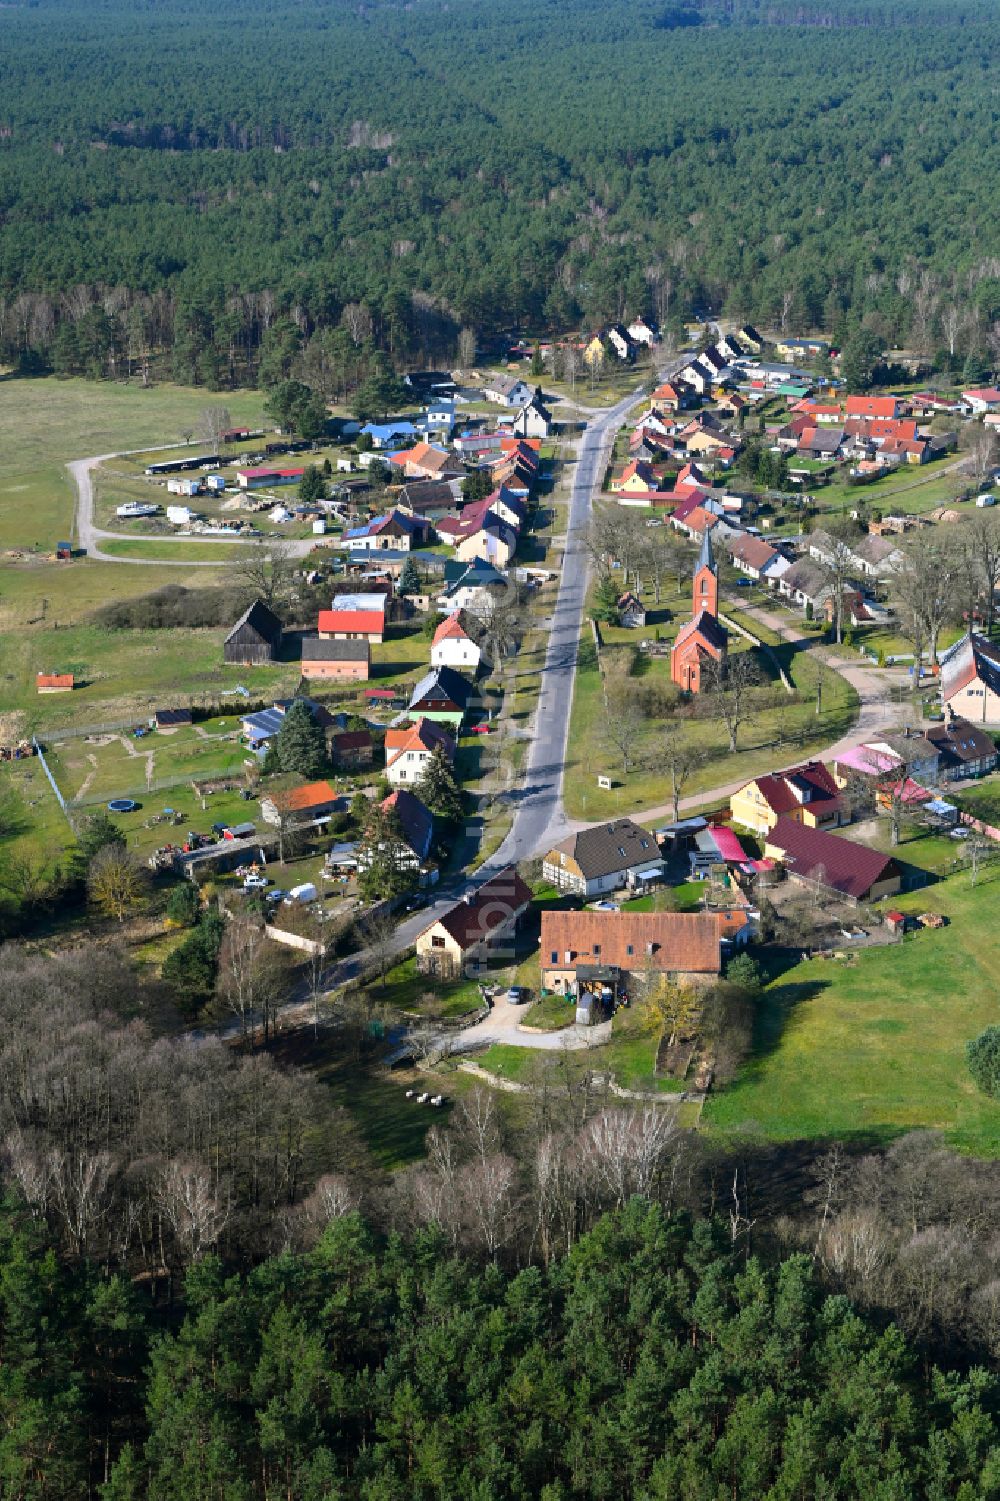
<point>255,638</point>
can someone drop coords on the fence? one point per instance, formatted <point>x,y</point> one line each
<point>52,781</point>
<point>741,630</point>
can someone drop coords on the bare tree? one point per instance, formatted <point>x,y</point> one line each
<point>924,583</point>
<point>679,759</point>
<point>730,689</point>
<point>978,851</point>
<point>500,617</point>
<point>116,882</point>
<point>80,1192</point>
<point>980,537</point>
<point>625,1150</point>
<point>980,444</point>
<point>190,1202</point>
<point>249,975</point>
<point>265,571</point>
<point>357,319</point>
<point>466,348</point>
<point>952,323</point>
<point>623,717</point>
<point>212,423</point>
<point>837,544</point>
<point>659,556</point>
<point>490,1201</point>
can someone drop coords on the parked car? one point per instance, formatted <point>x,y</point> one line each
<point>255,883</point>
<point>518,995</point>
<point>480,729</point>
<point>277,895</point>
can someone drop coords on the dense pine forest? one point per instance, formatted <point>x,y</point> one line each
<point>221,182</point>
<point>649,1362</point>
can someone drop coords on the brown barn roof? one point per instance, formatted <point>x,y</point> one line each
<point>665,941</point>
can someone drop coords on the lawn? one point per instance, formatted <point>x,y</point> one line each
<point>171,550</point>
<point>39,594</point>
<point>788,728</point>
<point>873,1047</point>
<point>100,767</point>
<point>406,989</point>
<point>629,1057</point>
<point>45,422</point>
<point>550,1013</point>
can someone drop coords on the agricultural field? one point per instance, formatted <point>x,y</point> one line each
<point>48,421</point>
<point>869,1047</point>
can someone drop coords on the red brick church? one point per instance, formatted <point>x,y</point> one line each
<point>703,639</point>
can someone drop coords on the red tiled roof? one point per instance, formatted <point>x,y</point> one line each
<point>54,680</point>
<point>450,629</point>
<point>776,788</point>
<point>301,799</point>
<point>871,406</point>
<point>664,941</point>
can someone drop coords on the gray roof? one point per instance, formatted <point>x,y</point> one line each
<point>706,557</point>
<point>443,682</point>
<point>314,650</point>
<point>261,619</point>
<point>610,847</point>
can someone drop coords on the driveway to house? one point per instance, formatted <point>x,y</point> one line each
<point>89,537</point>
<point>504,1025</point>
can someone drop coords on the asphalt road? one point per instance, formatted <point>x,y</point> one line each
<point>539,819</point>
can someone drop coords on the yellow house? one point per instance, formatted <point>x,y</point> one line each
<point>705,441</point>
<point>807,794</point>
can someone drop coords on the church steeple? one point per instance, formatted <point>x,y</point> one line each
<point>705,596</point>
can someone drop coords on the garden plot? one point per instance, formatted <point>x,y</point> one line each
<point>95,768</point>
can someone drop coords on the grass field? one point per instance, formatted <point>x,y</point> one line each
<point>38,593</point>
<point>406,989</point>
<point>788,728</point>
<point>100,767</point>
<point>875,1046</point>
<point>122,674</point>
<point>630,1056</point>
<point>46,422</point>
<point>170,550</point>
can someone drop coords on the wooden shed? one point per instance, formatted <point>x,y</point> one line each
<point>255,638</point>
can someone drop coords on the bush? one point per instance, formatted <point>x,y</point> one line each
<point>983,1057</point>
<point>184,905</point>
<point>744,972</point>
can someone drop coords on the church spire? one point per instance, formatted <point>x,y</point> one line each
<point>706,558</point>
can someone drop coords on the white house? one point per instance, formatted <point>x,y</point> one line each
<point>452,646</point>
<point>980,401</point>
<point>970,679</point>
<point>533,420</point>
<point>506,391</point>
<point>641,332</point>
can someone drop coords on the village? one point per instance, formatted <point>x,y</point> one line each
<point>389,788</point>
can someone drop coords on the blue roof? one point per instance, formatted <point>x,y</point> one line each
<point>260,726</point>
<point>387,430</point>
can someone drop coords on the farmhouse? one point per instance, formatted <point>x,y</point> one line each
<point>533,420</point>
<point>464,939</point>
<point>336,660</point>
<point>963,748</point>
<point>408,750</point>
<point>398,530</point>
<point>605,951</point>
<point>354,617</point>
<point>416,823</point>
<point>468,585</point>
<point>831,865</point>
<point>506,391</point>
<point>255,638</point>
<point>807,793</point>
<point>352,750</point>
<point>970,679</point>
<point>54,682</point>
<point>604,858</point>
